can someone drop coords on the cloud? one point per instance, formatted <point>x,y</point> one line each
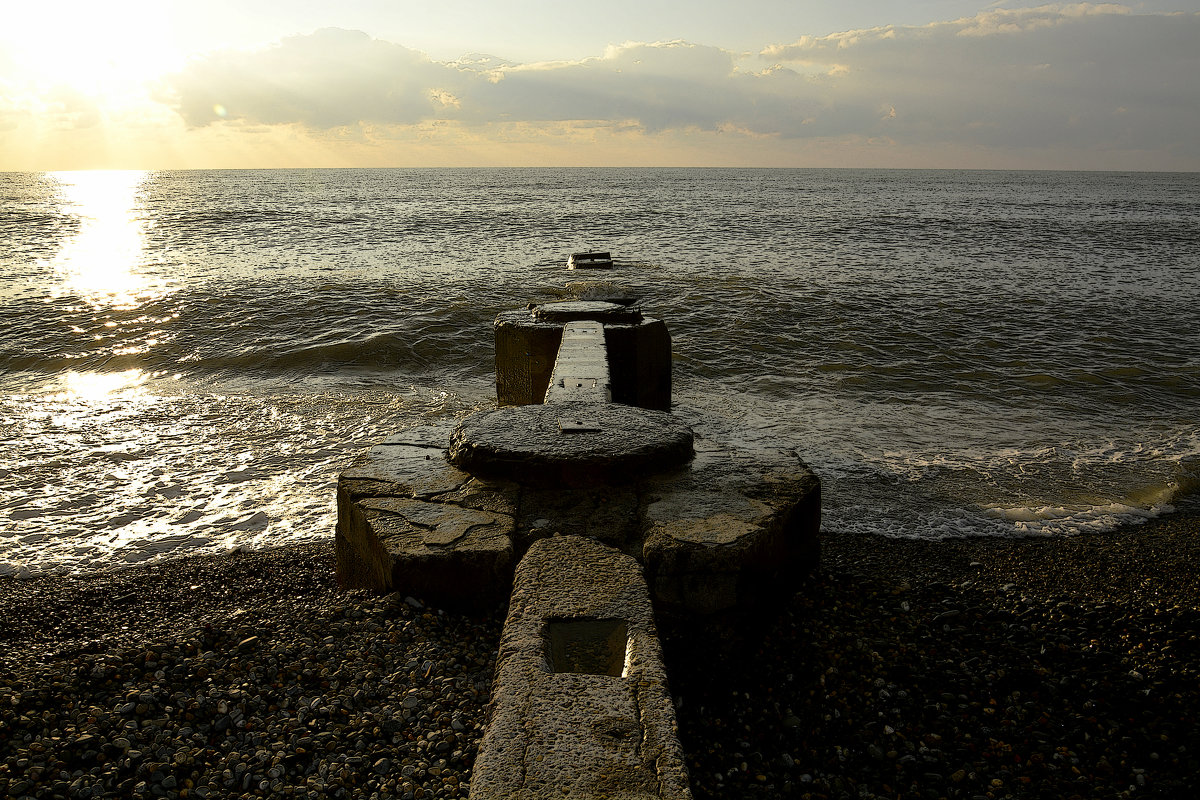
<point>1056,76</point>
<point>1080,75</point>
<point>328,79</point>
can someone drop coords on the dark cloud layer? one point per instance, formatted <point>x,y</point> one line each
<point>1084,75</point>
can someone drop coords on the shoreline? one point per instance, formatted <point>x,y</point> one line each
<point>956,668</point>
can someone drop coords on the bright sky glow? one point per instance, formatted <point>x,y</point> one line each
<point>956,83</point>
<point>105,51</point>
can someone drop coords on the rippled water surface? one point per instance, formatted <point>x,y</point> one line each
<point>188,358</point>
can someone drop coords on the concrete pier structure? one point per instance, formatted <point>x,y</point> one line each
<point>528,340</point>
<point>598,508</point>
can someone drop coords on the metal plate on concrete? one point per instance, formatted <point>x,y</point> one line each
<point>576,425</point>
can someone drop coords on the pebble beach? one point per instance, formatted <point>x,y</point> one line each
<point>972,668</point>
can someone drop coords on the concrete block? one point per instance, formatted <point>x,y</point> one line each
<point>728,532</point>
<point>608,291</point>
<point>525,353</point>
<point>570,444</point>
<point>409,521</point>
<point>734,530</point>
<point>638,352</point>
<point>580,705</point>
<point>639,363</point>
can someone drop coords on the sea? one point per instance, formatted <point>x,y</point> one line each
<point>189,358</point>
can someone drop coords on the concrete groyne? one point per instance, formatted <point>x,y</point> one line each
<point>582,498</point>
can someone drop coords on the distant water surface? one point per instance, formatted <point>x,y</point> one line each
<point>188,358</point>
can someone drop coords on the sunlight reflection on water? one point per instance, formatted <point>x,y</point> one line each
<point>103,260</point>
<point>95,386</point>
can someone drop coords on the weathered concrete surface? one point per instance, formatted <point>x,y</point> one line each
<point>607,291</point>
<point>639,363</point>
<point>570,444</point>
<point>581,368</point>
<point>593,310</point>
<point>562,724</point>
<point>610,514</point>
<point>639,358</point>
<point>409,520</point>
<point>731,530</point>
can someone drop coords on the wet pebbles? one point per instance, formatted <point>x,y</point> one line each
<point>250,676</point>
<point>970,669</point>
<point>1039,669</point>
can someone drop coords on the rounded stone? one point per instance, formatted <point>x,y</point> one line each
<point>570,443</point>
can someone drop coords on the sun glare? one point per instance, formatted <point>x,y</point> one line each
<point>107,52</point>
<point>102,258</point>
<point>95,386</point>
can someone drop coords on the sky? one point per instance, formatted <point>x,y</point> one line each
<point>171,84</point>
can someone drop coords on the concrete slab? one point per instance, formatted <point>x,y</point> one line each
<point>528,444</point>
<point>567,726</point>
<point>595,310</point>
<point>607,291</point>
<point>581,366</point>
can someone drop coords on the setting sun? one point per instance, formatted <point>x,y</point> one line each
<point>106,53</point>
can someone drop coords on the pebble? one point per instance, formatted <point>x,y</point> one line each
<point>279,685</point>
<point>1081,690</point>
<point>891,676</point>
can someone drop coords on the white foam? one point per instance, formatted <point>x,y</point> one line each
<point>1062,520</point>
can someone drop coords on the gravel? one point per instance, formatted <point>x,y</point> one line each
<point>246,676</point>
<point>1029,668</point>
<point>967,668</point>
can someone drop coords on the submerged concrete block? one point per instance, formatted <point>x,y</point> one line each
<point>596,260</point>
<point>580,705</point>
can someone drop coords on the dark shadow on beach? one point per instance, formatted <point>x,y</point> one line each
<point>1040,668</point>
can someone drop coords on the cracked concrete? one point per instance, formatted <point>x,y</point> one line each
<point>728,531</point>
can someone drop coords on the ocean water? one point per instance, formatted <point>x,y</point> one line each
<point>187,359</point>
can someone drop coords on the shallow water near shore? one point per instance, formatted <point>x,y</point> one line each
<point>189,358</point>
